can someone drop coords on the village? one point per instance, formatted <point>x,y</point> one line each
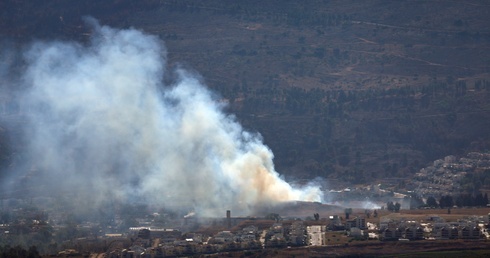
<point>249,234</point>
<point>447,176</point>
<point>362,214</point>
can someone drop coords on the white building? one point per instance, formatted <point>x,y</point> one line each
<point>316,235</point>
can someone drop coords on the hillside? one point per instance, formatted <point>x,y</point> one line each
<point>358,91</point>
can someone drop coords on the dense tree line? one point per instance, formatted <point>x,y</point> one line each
<point>337,103</point>
<point>462,200</point>
<point>18,252</point>
<point>394,207</point>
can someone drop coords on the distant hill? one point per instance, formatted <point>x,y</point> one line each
<point>353,90</point>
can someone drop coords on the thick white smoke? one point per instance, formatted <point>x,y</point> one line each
<point>103,126</point>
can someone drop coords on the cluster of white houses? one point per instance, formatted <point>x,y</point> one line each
<point>471,228</point>
<point>152,242</point>
<point>171,242</point>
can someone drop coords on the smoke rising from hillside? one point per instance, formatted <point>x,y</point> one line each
<point>103,125</point>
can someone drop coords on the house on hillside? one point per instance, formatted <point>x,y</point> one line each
<point>316,235</point>
<point>357,222</point>
<point>470,232</point>
<point>414,233</point>
<point>392,234</point>
<point>297,234</point>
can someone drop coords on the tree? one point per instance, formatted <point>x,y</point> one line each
<point>5,217</point>
<point>348,211</point>
<point>32,252</point>
<point>397,207</point>
<point>416,202</point>
<point>446,201</point>
<point>273,216</point>
<point>481,200</point>
<point>317,216</point>
<point>19,251</point>
<point>390,206</point>
<point>368,213</point>
<point>431,202</point>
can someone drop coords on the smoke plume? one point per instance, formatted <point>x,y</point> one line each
<point>104,126</point>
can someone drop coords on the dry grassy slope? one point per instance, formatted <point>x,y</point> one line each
<point>255,52</point>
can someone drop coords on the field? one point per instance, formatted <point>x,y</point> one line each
<point>423,214</point>
<point>415,214</point>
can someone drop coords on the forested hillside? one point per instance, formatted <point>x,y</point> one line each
<point>354,90</point>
